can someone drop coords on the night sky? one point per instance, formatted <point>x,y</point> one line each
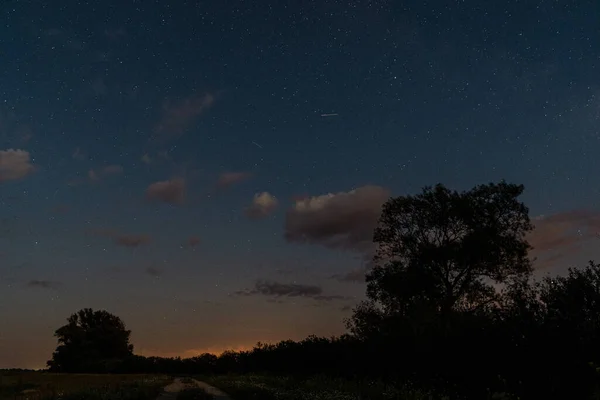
<point>211,172</point>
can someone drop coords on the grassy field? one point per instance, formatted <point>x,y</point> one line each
<point>48,386</point>
<point>261,387</point>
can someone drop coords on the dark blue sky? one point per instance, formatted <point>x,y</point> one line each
<point>166,160</point>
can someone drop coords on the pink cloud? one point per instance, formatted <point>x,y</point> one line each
<point>15,165</point>
<point>262,205</point>
<point>120,239</point>
<point>342,220</point>
<point>227,179</point>
<point>559,235</point>
<point>171,191</point>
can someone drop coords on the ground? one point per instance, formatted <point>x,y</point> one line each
<point>48,386</point>
<point>18,385</point>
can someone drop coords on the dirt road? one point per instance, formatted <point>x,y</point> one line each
<point>170,392</point>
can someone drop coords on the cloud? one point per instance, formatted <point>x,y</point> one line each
<point>193,241</point>
<point>330,297</point>
<point>95,175</point>
<point>15,165</point>
<point>178,116</point>
<point>227,179</point>
<point>160,155</point>
<point>171,191</point>
<point>559,235</point>
<point>120,239</point>
<point>343,220</point>
<point>358,274</point>
<point>262,205</point>
<point>276,291</point>
<point>35,283</point>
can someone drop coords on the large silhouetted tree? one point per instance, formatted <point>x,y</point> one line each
<point>441,250</point>
<point>439,255</point>
<point>91,341</point>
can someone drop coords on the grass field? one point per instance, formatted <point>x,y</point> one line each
<point>49,386</point>
<point>262,387</point>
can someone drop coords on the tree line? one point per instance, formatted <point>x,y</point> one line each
<point>451,306</point>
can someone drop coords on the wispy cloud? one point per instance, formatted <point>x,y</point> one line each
<point>277,290</point>
<point>227,179</point>
<point>120,239</point>
<point>178,116</point>
<point>262,205</point>
<point>97,174</point>
<point>42,284</point>
<point>15,165</point>
<point>171,191</point>
<point>559,235</point>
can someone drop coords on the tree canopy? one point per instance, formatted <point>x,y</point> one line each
<point>442,251</point>
<point>91,341</point>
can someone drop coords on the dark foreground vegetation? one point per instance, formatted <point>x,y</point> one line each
<point>452,309</point>
<point>289,387</point>
<point>32,385</point>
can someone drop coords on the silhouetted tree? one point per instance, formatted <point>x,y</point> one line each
<point>571,306</point>
<point>439,254</point>
<point>441,250</point>
<point>91,341</point>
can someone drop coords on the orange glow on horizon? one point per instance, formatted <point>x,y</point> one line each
<point>216,350</point>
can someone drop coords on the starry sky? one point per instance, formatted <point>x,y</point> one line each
<point>211,172</point>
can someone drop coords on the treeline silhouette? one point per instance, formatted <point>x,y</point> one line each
<point>451,307</point>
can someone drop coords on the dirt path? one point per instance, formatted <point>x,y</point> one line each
<point>171,390</point>
<point>217,393</point>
